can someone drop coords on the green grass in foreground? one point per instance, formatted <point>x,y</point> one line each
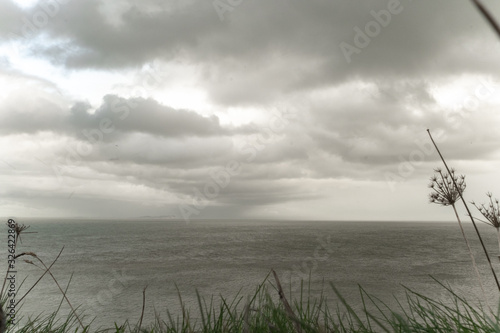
<point>265,312</point>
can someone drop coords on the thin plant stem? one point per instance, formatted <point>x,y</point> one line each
<point>468,211</point>
<point>486,13</point>
<point>62,291</point>
<point>287,306</point>
<point>470,252</point>
<point>40,278</point>
<point>498,237</point>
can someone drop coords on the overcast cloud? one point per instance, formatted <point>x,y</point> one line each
<point>266,109</point>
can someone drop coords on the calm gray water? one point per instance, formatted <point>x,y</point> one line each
<point>112,261</point>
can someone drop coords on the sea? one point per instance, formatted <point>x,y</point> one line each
<point>107,268</point>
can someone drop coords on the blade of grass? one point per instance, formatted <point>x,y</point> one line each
<point>350,310</point>
<point>287,306</point>
<point>143,306</point>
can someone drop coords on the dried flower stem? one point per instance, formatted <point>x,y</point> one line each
<point>40,278</point>
<point>498,237</point>
<point>62,291</point>
<point>491,20</point>
<point>468,212</point>
<point>492,214</point>
<point>444,192</point>
<point>470,252</point>
<point>287,306</point>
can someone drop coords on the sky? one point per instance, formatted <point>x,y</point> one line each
<point>244,109</point>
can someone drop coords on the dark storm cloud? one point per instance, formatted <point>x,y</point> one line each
<point>142,36</point>
<point>116,116</point>
<point>265,51</point>
<point>147,152</point>
<point>294,46</point>
<point>264,192</point>
<point>148,116</point>
<point>429,38</point>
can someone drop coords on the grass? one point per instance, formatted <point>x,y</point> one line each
<point>268,310</point>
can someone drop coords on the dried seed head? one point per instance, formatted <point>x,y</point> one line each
<point>492,213</point>
<point>32,254</point>
<point>18,228</point>
<point>444,190</point>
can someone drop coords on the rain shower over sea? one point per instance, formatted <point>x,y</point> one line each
<point>110,262</point>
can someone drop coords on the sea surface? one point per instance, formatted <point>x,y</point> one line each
<point>111,262</point>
